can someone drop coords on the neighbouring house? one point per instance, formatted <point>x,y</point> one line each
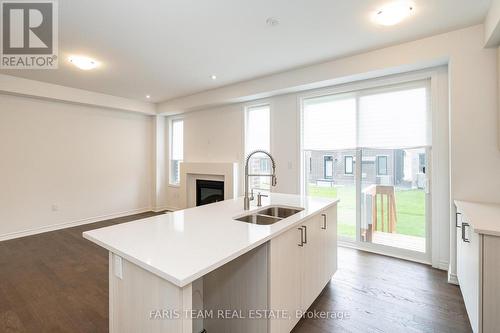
<point>404,168</point>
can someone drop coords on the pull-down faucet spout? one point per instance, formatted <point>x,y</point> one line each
<point>246,200</point>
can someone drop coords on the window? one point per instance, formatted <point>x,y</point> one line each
<point>421,163</point>
<point>328,166</point>
<point>348,165</point>
<point>176,149</point>
<point>258,136</point>
<point>354,140</point>
<point>381,165</point>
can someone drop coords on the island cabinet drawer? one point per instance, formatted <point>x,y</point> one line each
<point>301,262</point>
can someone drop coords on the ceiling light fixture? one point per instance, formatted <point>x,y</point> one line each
<point>272,22</point>
<point>148,96</point>
<point>394,13</point>
<point>83,63</point>
<point>213,77</point>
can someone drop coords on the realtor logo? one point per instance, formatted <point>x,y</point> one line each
<point>29,34</point>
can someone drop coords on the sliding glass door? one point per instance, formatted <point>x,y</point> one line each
<point>330,155</point>
<point>370,149</point>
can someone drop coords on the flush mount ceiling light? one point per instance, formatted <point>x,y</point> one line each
<point>83,63</point>
<point>213,77</point>
<point>272,22</point>
<point>393,13</point>
<point>148,96</point>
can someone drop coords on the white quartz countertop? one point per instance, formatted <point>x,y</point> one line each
<point>184,245</point>
<point>484,218</point>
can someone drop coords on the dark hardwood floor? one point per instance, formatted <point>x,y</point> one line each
<point>55,282</point>
<point>58,282</point>
<point>384,294</point>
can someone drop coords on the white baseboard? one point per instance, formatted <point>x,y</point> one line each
<point>160,209</point>
<point>381,252</point>
<point>53,227</point>
<point>453,279</point>
<point>173,209</point>
<point>443,265</point>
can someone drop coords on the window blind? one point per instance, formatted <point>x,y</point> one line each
<point>329,122</point>
<point>177,140</point>
<point>258,128</point>
<point>397,118</point>
<point>390,117</point>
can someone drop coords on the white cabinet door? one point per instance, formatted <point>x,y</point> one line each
<point>330,224</point>
<point>312,261</point>
<point>300,268</point>
<point>491,283</point>
<point>468,271</point>
<point>285,271</point>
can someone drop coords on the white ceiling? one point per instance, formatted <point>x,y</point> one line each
<point>169,48</point>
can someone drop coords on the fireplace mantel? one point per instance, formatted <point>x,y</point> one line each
<point>190,171</point>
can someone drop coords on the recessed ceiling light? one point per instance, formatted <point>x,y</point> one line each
<point>393,13</point>
<point>83,63</point>
<point>213,77</point>
<point>148,96</point>
<point>272,22</point>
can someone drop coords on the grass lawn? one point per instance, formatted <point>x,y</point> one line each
<point>410,208</point>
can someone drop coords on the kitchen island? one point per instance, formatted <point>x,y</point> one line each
<point>219,268</point>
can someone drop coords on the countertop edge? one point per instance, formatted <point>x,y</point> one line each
<point>461,203</point>
<point>181,283</point>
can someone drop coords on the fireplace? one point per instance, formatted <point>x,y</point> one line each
<point>208,191</point>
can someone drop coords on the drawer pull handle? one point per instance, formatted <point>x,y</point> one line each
<point>305,234</point>
<point>463,232</point>
<point>324,222</point>
<point>301,237</point>
<point>456,219</point>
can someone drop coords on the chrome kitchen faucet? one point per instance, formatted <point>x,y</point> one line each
<point>247,199</point>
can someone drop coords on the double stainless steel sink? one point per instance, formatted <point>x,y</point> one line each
<point>269,215</point>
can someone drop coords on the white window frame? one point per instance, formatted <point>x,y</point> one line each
<point>352,165</point>
<point>438,172</point>
<point>324,166</point>
<point>246,107</point>
<point>377,170</point>
<point>171,181</point>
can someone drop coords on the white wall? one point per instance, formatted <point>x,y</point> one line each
<point>14,85</point>
<point>216,135</point>
<point>90,162</point>
<point>474,154</point>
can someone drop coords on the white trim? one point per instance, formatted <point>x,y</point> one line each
<point>159,209</point>
<point>453,279</point>
<point>257,104</point>
<point>386,165</point>
<point>246,106</point>
<point>377,83</point>
<point>171,120</point>
<point>35,89</point>
<point>324,166</point>
<point>352,165</point>
<point>443,265</point>
<point>432,254</point>
<point>386,251</point>
<point>53,227</point>
<point>172,208</point>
